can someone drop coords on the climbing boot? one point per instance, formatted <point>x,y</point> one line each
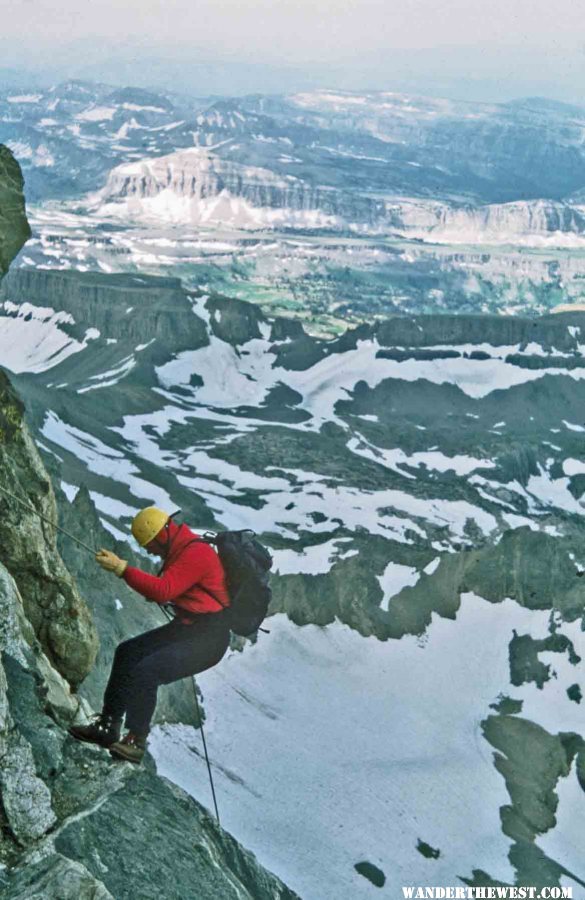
<point>132,747</point>
<point>103,730</point>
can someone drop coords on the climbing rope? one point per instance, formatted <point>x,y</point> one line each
<point>200,720</point>
<point>32,509</point>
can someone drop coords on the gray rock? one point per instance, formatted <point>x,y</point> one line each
<point>53,878</point>
<point>26,799</point>
<point>14,228</point>
<point>59,616</point>
<point>149,836</point>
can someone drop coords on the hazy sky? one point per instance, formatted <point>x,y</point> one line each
<point>501,45</point>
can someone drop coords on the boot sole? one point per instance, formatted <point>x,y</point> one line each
<point>118,755</point>
<point>86,740</point>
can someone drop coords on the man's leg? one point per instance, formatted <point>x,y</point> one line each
<point>193,650</point>
<point>104,729</point>
<point>127,656</point>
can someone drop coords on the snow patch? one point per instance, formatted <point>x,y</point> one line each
<point>315,560</point>
<point>393,579</point>
<point>96,114</point>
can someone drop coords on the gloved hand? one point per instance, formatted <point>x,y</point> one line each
<point>110,562</point>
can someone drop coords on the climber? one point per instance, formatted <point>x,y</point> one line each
<point>192,580</point>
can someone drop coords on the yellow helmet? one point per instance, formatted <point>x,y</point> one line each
<point>147,523</point>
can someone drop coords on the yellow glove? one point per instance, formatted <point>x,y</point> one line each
<point>110,562</point>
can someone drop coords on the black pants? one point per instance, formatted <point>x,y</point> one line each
<point>158,657</point>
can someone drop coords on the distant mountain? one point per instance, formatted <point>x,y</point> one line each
<point>547,106</point>
<point>69,136</point>
<point>196,186</point>
<point>334,206</point>
<point>376,143</point>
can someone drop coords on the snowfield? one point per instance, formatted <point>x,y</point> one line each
<point>298,762</point>
<point>31,339</point>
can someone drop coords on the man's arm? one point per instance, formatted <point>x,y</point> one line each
<point>188,569</point>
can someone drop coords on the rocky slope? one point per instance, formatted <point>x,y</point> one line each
<point>74,825</point>
<point>58,615</point>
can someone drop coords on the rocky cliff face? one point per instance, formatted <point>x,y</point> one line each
<point>14,228</point>
<point>144,309</point>
<point>185,186</point>
<point>73,825</point>
<point>492,223</point>
<point>58,615</point>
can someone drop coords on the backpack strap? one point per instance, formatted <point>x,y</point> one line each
<point>201,586</point>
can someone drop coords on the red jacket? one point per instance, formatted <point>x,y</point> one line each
<point>186,570</point>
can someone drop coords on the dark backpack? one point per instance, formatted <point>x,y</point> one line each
<point>246,563</point>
